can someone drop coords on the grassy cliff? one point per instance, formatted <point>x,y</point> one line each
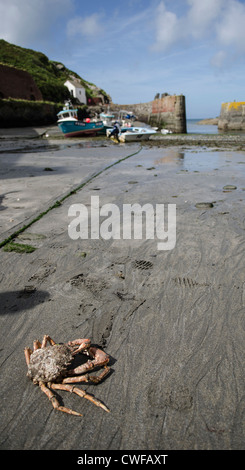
<point>49,75</point>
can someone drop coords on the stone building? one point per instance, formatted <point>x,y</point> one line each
<point>16,83</point>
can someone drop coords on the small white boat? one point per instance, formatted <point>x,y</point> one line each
<point>126,118</point>
<point>166,131</point>
<point>136,133</point>
<point>109,121</point>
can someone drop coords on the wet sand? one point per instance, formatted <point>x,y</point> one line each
<point>171,321</point>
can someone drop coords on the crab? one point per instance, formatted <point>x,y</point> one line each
<point>48,367</point>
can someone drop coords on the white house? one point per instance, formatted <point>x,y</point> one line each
<point>77,90</point>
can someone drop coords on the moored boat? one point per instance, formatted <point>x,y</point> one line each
<point>134,134</point>
<point>71,126</point>
<point>109,120</point>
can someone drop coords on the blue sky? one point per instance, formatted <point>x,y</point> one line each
<point>134,49</point>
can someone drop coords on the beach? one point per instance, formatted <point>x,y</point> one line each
<point>172,321</point>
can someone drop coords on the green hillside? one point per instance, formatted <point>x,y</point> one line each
<point>49,75</point>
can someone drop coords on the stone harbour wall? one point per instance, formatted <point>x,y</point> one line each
<point>167,111</point>
<point>232,116</point>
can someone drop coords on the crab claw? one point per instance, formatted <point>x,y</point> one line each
<point>99,358</point>
<point>82,345</point>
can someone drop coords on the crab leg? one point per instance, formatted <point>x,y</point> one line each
<point>36,345</point>
<point>55,402</point>
<point>97,378</point>
<point>47,338</point>
<point>81,393</point>
<point>28,353</point>
<point>100,358</point>
<point>88,378</point>
<point>81,378</point>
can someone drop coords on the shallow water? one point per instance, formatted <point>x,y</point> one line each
<point>194,128</point>
<point>200,159</point>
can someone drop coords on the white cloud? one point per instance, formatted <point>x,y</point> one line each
<point>10,19</point>
<point>202,15</point>
<point>90,26</point>
<point>219,22</point>
<point>197,21</point>
<point>28,20</point>
<point>168,30</point>
<point>231,27</point>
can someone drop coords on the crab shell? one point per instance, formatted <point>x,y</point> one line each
<point>49,364</point>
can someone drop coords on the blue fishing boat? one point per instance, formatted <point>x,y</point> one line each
<point>71,126</point>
